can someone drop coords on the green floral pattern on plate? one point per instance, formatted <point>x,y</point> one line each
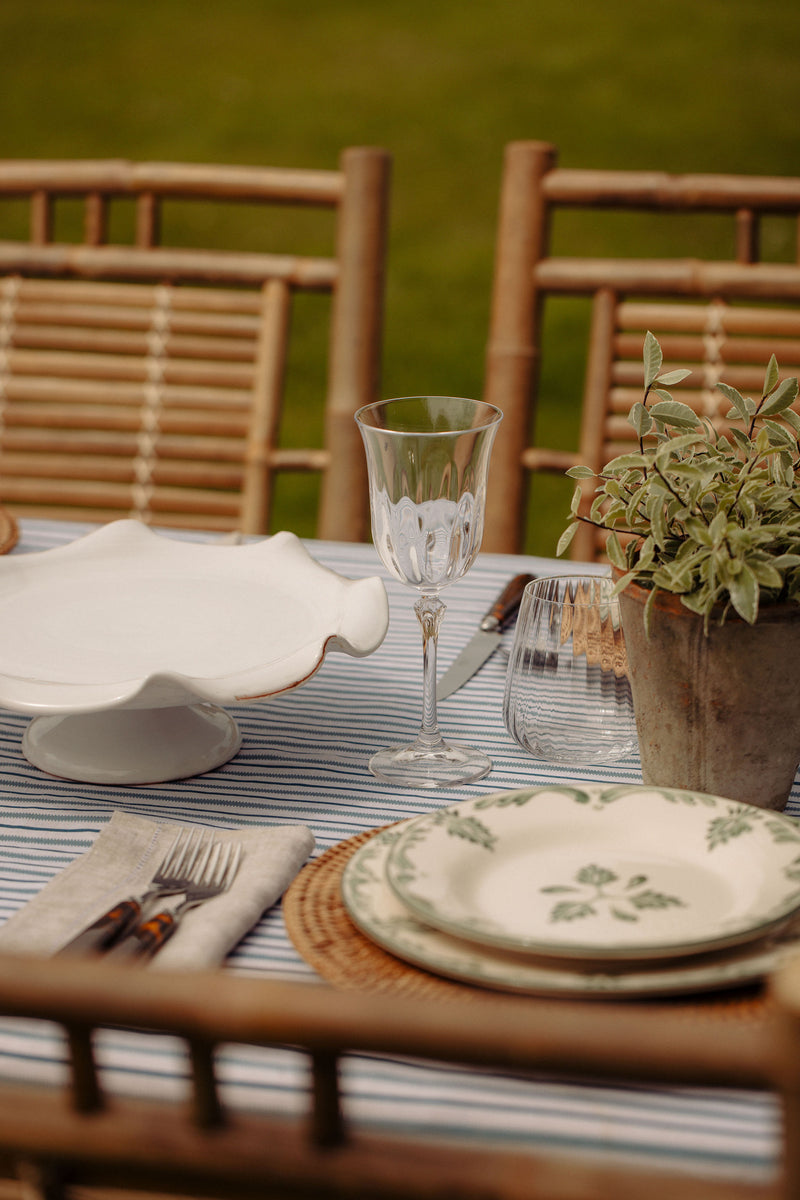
<point>593,882</point>
<point>383,918</point>
<point>639,872</point>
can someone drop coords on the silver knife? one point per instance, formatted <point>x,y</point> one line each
<point>483,644</point>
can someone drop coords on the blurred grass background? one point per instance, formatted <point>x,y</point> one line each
<point>679,85</point>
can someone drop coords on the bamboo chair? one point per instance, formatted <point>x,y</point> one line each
<point>148,380</point>
<point>79,1140</point>
<point>717,317</point>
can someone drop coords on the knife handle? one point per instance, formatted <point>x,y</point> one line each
<point>145,941</point>
<point>106,930</point>
<point>506,603</point>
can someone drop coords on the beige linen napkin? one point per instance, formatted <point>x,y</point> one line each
<point>120,864</point>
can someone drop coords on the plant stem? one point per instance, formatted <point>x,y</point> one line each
<point>697,511</point>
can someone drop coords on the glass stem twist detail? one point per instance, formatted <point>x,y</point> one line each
<point>429,610</point>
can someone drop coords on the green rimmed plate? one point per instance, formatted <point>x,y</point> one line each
<point>600,872</point>
<point>384,919</point>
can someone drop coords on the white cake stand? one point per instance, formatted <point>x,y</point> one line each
<point>126,645</point>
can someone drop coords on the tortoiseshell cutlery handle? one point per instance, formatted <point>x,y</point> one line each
<point>507,603</point>
<point>147,940</point>
<point>106,930</point>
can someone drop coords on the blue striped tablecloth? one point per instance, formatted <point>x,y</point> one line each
<point>304,759</point>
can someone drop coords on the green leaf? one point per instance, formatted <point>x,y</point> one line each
<point>658,522</point>
<point>566,537</point>
<point>741,439</point>
<point>596,876</point>
<point>653,899</point>
<point>767,575</point>
<point>646,553</point>
<point>666,456</point>
<point>640,419</point>
<point>737,400</point>
<point>648,612</point>
<point>652,359</point>
<point>782,398</point>
<point>572,910</point>
<point>722,829</point>
<point>603,513</point>
<point>744,590</point>
<point>615,553</point>
<point>580,473</point>
<point>623,582</point>
<point>672,377</point>
<point>700,603</point>
<point>672,412</point>
<point>636,881</point>
<point>719,527</point>
<point>625,462</point>
<point>771,376</point>
<point>779,435</point>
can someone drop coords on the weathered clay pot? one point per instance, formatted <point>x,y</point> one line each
<point>716,713</point>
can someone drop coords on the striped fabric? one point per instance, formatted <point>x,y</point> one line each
<point>304,758</point>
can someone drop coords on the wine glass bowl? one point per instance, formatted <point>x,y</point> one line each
<point>428,463</point>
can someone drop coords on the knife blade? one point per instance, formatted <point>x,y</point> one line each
<point>483,644</point>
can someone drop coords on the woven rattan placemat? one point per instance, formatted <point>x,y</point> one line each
<point>323,933</point>
<point>8,532</point>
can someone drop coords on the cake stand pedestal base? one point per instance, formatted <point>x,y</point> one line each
<point>132,746</point>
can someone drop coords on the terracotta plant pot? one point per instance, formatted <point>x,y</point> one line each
<point>716,713</point>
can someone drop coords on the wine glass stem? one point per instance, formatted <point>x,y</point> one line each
<point>429,610</point>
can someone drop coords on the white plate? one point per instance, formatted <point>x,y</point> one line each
<point>382,917</point>
<point>599,872</point>
<point>125,621</point>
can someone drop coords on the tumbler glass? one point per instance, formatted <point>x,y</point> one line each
<point>568,696</point>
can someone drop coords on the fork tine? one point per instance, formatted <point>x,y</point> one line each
<point>166,862</point>
<point>205,850</point>
<point>180,849</point>
<point>220,866</point>
<point>185,862</point>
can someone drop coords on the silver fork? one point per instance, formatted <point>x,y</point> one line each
<point>213,876</point>
<point>173,875</point>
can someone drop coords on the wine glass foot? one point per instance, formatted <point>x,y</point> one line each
<point>449,764</point>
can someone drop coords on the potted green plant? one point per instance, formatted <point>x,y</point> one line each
<point>704,540</point>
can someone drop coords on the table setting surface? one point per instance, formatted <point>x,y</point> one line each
<point>303,762</point>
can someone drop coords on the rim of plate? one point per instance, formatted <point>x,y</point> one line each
<point>364,889</point>
<point>733,819</point>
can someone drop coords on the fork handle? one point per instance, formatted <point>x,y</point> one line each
<point>106,930</point>
<point>145,941</point>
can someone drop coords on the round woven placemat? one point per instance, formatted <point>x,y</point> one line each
<point>321,930</point>
<point>9,532</point>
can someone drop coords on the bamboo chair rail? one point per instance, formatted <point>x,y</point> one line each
<point>739,311</point>
<point>149,380</point>
<point>60,1141</point>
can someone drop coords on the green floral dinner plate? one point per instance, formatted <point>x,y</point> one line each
<point>385,920</point>
<point>600,872</point>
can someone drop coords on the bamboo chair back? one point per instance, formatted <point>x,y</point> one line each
<point>691,304</point>
<point>148,380</point>
<point>61,1140</point>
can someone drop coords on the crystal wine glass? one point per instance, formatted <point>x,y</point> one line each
<point>428,461</point>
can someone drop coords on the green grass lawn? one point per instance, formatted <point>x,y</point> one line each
<point>444,85</point>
